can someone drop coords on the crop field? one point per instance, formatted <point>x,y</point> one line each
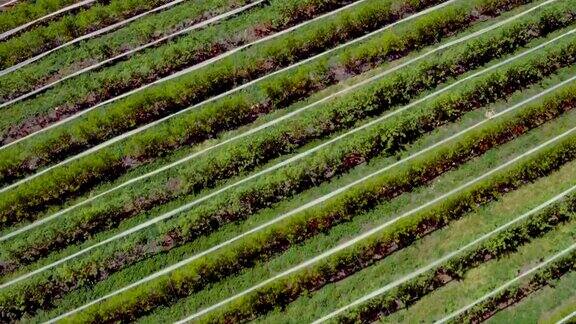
<point>288,161</point>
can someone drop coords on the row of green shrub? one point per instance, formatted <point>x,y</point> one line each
<point>69,27</point>
<point>168,97</point>
<point>262,147</point>
<point>142,31</point>
<point>24,12</point>
<point>293,229</point>
<point>59,183</point>
<point>502,243</point>
<point>243,253</point>
<point>206,170</point>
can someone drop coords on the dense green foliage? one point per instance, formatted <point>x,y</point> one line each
<point>193,87</point>
<point>24,12</point>
<point>340,208</point>
<point>68,27</point>
<point>142,31</point>
<point>446,107</point>
<point>109,161</point>
<point>430,162</point>
<point>154,63</point>
<point>351,151</point>
<point>195,275</point>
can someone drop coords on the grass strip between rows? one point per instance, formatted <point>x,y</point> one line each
<point>196,273</point>
<point>400,130</point>
<point>513,291</point>
<point>548,305</point>
<point>409,289</point>
<point>399,89</point>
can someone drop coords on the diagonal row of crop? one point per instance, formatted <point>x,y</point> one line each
<point>179,59</point>
<point>24,13</point>
<point>192,276</point>
<point>481,223</point>
<point>80,132</point>
<point>294,229</point>
<point>27,197</point>
<point>411,290</point>
<point>357,148</point>
<point>314,305</point>
<point>539,276</point>
<point>234,69</point>
<point>453,266</point>
<point>138,33</point>
<point>68,27</point>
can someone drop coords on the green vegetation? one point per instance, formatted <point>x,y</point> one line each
<point>24,12</point>
<point>362,146</point>
<point>135,34</point>
<point>61,182</point>
<point>68,27</point>
<point>345,168</point>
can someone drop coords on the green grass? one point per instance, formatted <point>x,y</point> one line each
<point>485,278</point>
<point>544,306</point>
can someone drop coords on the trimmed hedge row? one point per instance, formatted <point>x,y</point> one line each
<point>174,95</point>
<point>196,86</point>
<point>401,130</point>
<point>244,253</point>
<point>137,33</point>
<point>42,289</point>
<point>70,26</point>
<point>503,243</point>
<point>20,203</point>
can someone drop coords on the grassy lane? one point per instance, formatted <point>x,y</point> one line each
<point>68,60</point>
<point>242,159</point>
<point>528,281</point>
<point>44,241</point>
<point>482,280</point>
<point>544,306</point>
